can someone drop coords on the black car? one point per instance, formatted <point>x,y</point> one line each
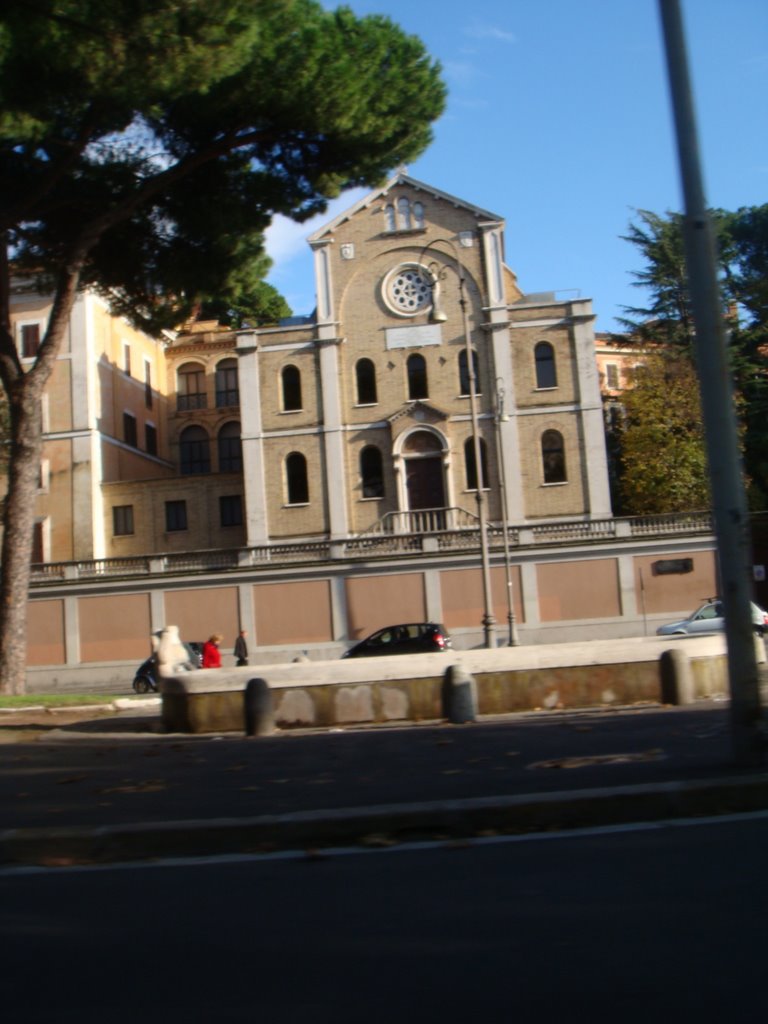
<point>145,680</point>
<point>406,638</point>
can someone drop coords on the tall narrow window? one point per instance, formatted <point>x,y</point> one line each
<point>122,520</point>
<point>230,449</point>
<point>147,384</point>
<point>191,387</point>
<point>553,457</point>
<point>417,376</point>
<point>231,510</point>
<point>127,357</point>
<point>130,433</point>
<point>30,340</point>
<point>371,472</point>
<point>389,217</point>
<point>296,483</point>
<point>38,542</point>
<point>403,214</point>
<point>546,374</point>
<point>418,215</point>
<point>150,439</point>
<point>194,451</point>
<point>175,516</point>
<point>464,372</point>
<point>291,378</point>
<point>470,467</point>
<point>227,392</point>
<point>612,376</point>
<point>365,376</point>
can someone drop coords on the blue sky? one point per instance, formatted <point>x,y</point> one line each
<point>558,119</point>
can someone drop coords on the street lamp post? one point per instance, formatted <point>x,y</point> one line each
<point>513,639</point>
<point>437,274</point>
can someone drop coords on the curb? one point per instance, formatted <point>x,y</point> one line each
<point>384,825</point>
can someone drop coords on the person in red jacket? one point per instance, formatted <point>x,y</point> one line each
<point>211,652</point>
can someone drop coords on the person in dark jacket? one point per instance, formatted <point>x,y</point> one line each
<point>211,652</point>
<point>241,648</point>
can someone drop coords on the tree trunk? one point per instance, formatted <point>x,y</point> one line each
<point>25,393</point>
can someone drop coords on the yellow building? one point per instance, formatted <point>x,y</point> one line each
<point>356,420</point>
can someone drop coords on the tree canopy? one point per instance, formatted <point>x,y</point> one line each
<point>145,146</point>
<point>665,324</point>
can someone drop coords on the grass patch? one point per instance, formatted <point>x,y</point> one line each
<point>55,700</point>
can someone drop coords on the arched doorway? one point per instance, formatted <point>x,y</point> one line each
<point>424,476</point>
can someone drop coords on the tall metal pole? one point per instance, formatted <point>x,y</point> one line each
<point>728,496</point>
<point>513,639</point>
<point>489,620</point>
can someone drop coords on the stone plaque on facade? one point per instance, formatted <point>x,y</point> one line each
<point>411,337</point>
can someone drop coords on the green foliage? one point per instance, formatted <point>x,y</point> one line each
<point>666,320</point>
<point>663,460</point>
<point>153,141</point>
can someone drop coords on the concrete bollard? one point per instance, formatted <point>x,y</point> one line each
<point>676,678</point>
<point>259,709</point>
<point>459,695</point>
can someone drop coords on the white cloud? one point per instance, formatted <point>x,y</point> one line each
<point>286,239</point>
<point>478,31</point>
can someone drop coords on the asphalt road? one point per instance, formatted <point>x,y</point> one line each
<point>664,923</point>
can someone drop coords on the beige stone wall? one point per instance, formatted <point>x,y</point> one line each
<point>524,341</point>
<point>114,627</point>
<point>148,498</point>
<point>376,601</point>
<point>292,613</point>
<point>578,590</point>
<point>551,500</point>
<point>462,597</point>
<point>45,633</point>
<point>670,593</point>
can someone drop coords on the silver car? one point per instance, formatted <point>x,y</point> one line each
<point>709,619</point>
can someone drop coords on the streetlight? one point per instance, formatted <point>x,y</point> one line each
<point>437,273</point>
<point>513,639</point>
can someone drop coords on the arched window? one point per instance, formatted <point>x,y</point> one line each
<point>464,372</point>
<point>365,376</point>
<point>194,451</point>
<point>190,387</point>
<point>469,464</point>
<point>372,472</point>
<point>227,392</point>
<point>389,217</point>
<point>230,449</point>
<point>291,379</point>
<point>296,483</point>
<point>417,376</point>
<point>546,373</point>
<point>403,214</point>
<point>553,457</point>
<point>418,215</point>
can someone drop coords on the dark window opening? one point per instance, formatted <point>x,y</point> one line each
<point>122,520</point>
<point>191,388</point>
<point>365,373</point>
<point>230,449</point>
<point>417,377</point>
<point>231,510</point>
<point>150,439</point>
<point>297,484</point>
<point>470,466</point>
<point>227,388</point>
<point>372,472</point>
<point>194,451</point>
<point>553,457</point>
<point>130,432</point>
<point>546,374</point>
<point>291,378</point>
<point>464,382</point>
<point>30,340</point>
<point>175,516</point>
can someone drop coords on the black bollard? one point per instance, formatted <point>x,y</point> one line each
<point>459,693</point>
<point>259,711</point>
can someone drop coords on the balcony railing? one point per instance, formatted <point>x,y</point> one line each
<point>396,535</point>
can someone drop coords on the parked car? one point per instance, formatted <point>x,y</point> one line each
<point>406,638</point>
<point>709,619</point>
<point>145,680</point>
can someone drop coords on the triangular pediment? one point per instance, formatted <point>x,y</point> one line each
<point>401,178</point>
<point>419,412</point>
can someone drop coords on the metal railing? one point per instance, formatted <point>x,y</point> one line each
<point>398,534</point>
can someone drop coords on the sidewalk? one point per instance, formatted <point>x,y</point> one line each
<point>114,788</point>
